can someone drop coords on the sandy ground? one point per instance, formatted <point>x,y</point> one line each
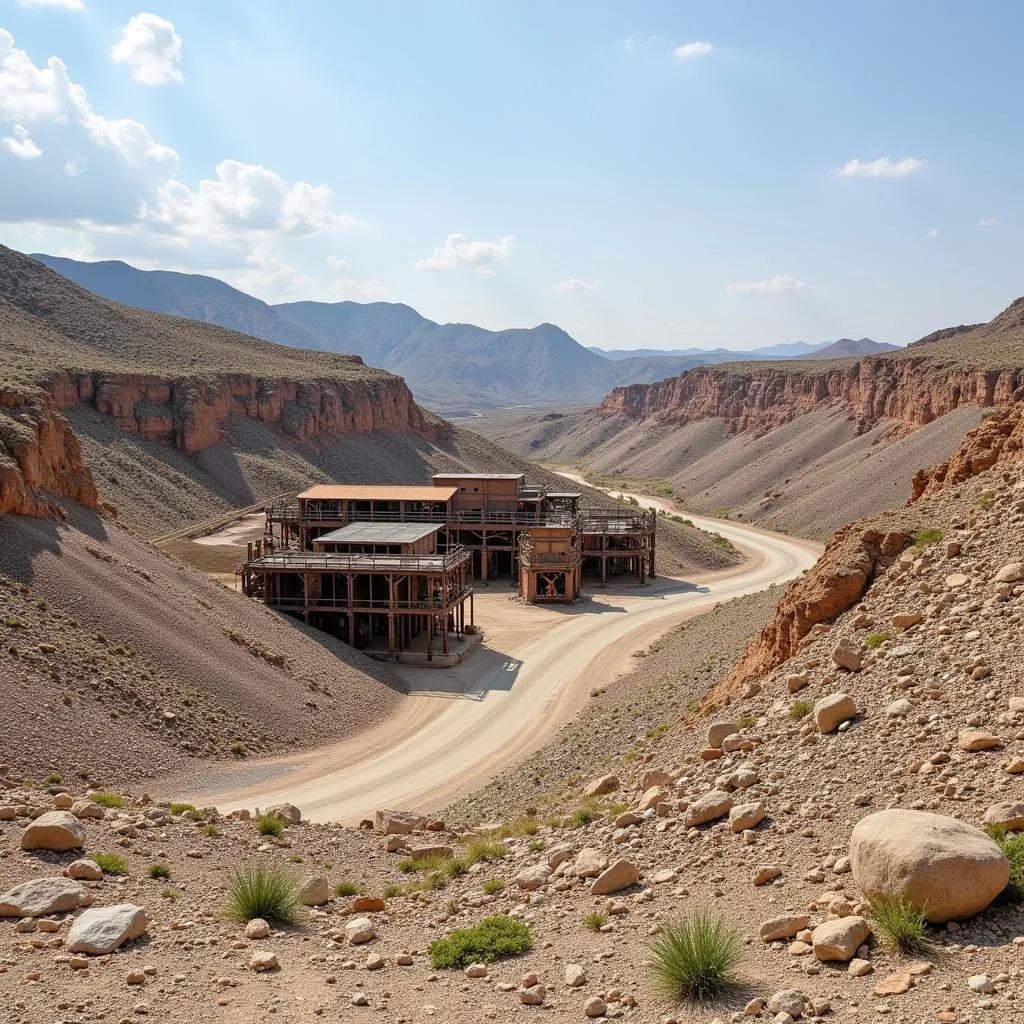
<point>532,674</point>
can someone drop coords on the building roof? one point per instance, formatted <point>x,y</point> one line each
<point>379,492</point>
<point>478,476</point>
<point>565,494</point>
<point>378,533</point>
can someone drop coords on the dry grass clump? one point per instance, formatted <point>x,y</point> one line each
<point>265,889</point>
<point>696,958</point>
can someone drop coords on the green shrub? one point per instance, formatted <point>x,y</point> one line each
<point>800,709</point>
<point>108,800</point>
<point>931,535</point>
<point>493,886</point>
<point>482,847</point>
<point>181,808</point>
<point>595,920</point>
<point>212,831</point>
<point>494,938</point>
<point>391,891</point>
<point>903,925</point>
<point>875,640</point>
<point>536,845</point>
<point>238,749</point>
<point>264,889</point>
<point>171,894</point>
<point>695,958</point>
<point>1013,847</point>
<point>159,871</point>
<point>525,826</point>
<point>270,825</point>
<point>344,889</point>
<point>746,722</point>
<point>52,780</point>
<point>111,863</point>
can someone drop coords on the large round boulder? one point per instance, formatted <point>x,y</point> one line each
<point>947,868</point>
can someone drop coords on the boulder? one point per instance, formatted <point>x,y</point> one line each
<point>560,854</point>
<point>904,620</point>
<point>783,927</point>
<point>87,809</point>
<point>847,654</point>
<point>1009,815</point>
<point>42,896</point>
<point>1012,572</point>
<point>765,873</point>
<point>717,731</point>
<point>601,785</point>
<point>710,806</point>
<point>796,681</point>
<point>85,870</point>
<point>286,812</point>
<point>839,939</point>
<point>652,797</point>
<point>621,875</point>
<point>655,777</point>
<point>533,877</point>
<point>945,867</point>
<point>744,816</point>
<point>973,740</point>
<point>101,930</point>
<point>589,863</point>
<point>316,891</point>
<point>58,831</point>
<point>359,930</point>
<point>830,712</point>
<point>398,822</point>
<point>366,905</point>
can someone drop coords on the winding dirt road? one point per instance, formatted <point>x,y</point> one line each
<point>462,725</point>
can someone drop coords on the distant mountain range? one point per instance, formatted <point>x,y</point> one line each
<point>844,347</point>
<point>453,368</point>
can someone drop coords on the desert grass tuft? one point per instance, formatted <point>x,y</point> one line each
<point>695,958</point>
<point>264,889</point>
<point>903,925</point>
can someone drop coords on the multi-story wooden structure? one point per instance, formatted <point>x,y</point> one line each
<point>369,583</point>
<point>497,523</point>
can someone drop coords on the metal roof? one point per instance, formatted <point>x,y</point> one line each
<point>478,476</point>
<point>378,533</point>
<point>378,492</point>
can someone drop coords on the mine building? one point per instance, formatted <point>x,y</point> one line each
<point>369,561</point>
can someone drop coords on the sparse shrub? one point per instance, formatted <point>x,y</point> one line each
<point>295,858</point>
<point>181,808</point>
<point>52,779</point>
<point>391,892</point>
<point>270,825</point>
<point>111,863</point>
<point>406,865</point>
<point>746,722</point>
<point>1013,847</point>
<point>875,640</point>
<point>525,826</point>
<point>344,889</point>
<point>536,846</point>
<point>493,886</point>
<point>659,730</point>
<point>264,889</point>
<point>800,709</point>
<point>904,926</point>
<point>483,847</point>
<point>238,749</point>
<point>212,831</point>
<point>41,604</point>
<point>170,894</point>
<point>494,938</point>
<point>595,920</point>
<point>13,622</point>
<point>695,958</point>
<point>985,500</point>
<point>456,867</point>
<point>159,871</point>
<point>451,908</point>
<point>108,799</point>
<point>194,814</point>
<point>930,535</point>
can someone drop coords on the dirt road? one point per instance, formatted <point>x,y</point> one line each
<point>461,726</point>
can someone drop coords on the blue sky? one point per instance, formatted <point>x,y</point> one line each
<point>642,174</point>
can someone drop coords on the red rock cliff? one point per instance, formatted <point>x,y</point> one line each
<point>909,391</point>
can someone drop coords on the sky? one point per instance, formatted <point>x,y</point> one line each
<point>645,174</point>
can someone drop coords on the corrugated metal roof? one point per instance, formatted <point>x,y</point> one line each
<point>378,533</point>
<point>478,476</point>
<point>378,492</point>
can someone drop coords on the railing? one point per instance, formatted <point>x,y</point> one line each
<point>365,604</point>
<point>302,561</point>
<point>290,512</point>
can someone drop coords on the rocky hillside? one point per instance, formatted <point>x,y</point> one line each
<point>829,810</point>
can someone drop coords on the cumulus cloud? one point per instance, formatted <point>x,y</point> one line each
<point>574,284</point>
<point>359,289</point>
<point>459,251</point>
<point>689,51</point>
<point>986,222</point>
<point>19,143</point>
<point>268,277</point>
<point>151,47</point>
<point>338,264</point>
<point>68,5</point>
<point>110,178</point>
<point>769,286</point>
<point>933,233</point>
<point>883,167</point>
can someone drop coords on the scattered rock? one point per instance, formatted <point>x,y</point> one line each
<point>830,712</point>
<point>398,822</point>
<point>847,655</point>
<point>533,877</point>
<point>359,930</point>
<point>286,812</point>
<point>101,930</point>
<point>595,1006</point>
<point>894,984</point>
<point>42,896</point>
<point>257,928</point>
<point>783,927</point>
<point>316,891</point>
<point>263,961</point>
<point>709,807</point>
<point>58,831</point>
<point>621,875</point>
<point>744,816</point>
<point>973,740</point>
<point>85,870</point>
<point>603,784</point>
<point>575,975</point>
<point>840,939</point>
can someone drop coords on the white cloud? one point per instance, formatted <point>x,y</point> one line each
<point>689,51</point>
<point>933,233</point>
<point>987,222</point>
<point>883,167</point>
<point>359,289</point>
<point>68,5</point>
<point>574,284</point>
<point>111,180</point>
<point>268,277</point>
<point>338,264</point>
<point>459,251</point>
<point>769,286</point>
<point>151,47</point>
<point>19,143</point>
